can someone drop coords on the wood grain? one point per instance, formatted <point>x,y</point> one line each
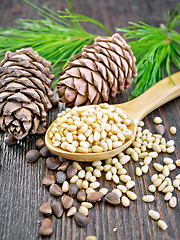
<point>20,183</point>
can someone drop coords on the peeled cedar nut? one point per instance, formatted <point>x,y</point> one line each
<point>71,171</point>
<point>112,198</point>
<point>63,166</point>
<point>55,190</point>
<point>73,189</point>
<point>52,163</point>
<point>67,201</point>
<point>57,208</point>
<point>48,180</point>
<point>39,143</point>
<point>46,227</point>
<point>32,156</point>
<point>94,197</point>
<point>44,151</point>
<point>81,195</point>
<point>80,219</point>
<point>45,208</point>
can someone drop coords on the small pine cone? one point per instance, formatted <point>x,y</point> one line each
<point>99,72</point>
<point>25,92</point>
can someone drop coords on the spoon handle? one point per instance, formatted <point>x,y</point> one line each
<point>159,94</point>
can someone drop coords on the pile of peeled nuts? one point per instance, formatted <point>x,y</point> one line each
<point>90,130</point>
<point>76,188</point>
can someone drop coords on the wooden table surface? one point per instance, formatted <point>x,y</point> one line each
<point>20,182</point>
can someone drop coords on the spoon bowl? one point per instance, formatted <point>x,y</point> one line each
<point>136,109</point>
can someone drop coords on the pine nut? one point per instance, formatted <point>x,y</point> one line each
<point>97,173</point>
<point>178,162</point>
<point>74,179</point>
<point>118,165</point>
<point>96,163</point>
<point>169,182</point>
<point>162,225</point>
<point>167,161</point>
<point>65,186</point>
<point>167,196</point>
<point>171,167</point>
<point>122,188</point>
<point>85,184</point>
<point>87,205</point>
<point>104,191</point>
<point>165,171</point>
<point>143,155</point>
<point>153,154</point>
<point>177,176</point>
<point>157,120</point>
<point>83,210</point>
<point>89,169</point>
<point>125,201</point>
<point>162,186</point>
<point>114,161</point>
<point>145,169</point>
<point>173,202</point>
<point>79,183</point>
<point>125,178</point>
<point>89,190</point>
<point>154,214</point>
<point>154,177</point>
<point>170,149</point>
<point>122,171</point>
<point>158,167</point>
<point>118,192</point>
<point>156,148</point>
<point>138,171</point>
<point>152,188</point>
<point>124,159</point>
<point>161,176</point>
<point>176,183</point>
<point>148,198</point>
<point>71,211</point>
<point>92,179</point>
<point>129,151</point>
<point>115,178</point>
<point>168,189</point>
<point>170,143</point>
<point>134,156</point>
<point>157,182</point>
<point>97,149</point>
<point>107,167</point>
<point>109,175</point>
<point>81,174</point>
<point>147,160</point>
<point>130,184</point>
<point>88,175</point>
<point>76,165</point>
<point>172,130</point>
<point>113,170</point>
<point>131,195</point>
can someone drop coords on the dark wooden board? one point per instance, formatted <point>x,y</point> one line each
<point>20,182</point>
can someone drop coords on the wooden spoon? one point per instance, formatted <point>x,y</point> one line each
<point>159,94</point>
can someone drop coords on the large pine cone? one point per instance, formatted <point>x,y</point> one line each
<point>25,92</point>
<point>100,71</point>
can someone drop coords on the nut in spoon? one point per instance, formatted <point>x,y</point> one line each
<point>136,109</point>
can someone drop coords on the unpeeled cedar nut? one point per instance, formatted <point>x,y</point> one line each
<point>73,189</point>
<point>10,140</point>
<point>48,180</point>
<point>44,151</point>
<point>160,129</point>
<point>71,171</point>
<point>45,208</point>
<point>81,195</point>
<point>52,163</point>
<point>60,177</point>
<point>112,198</point>
<point>46,227</point>
<point>63,166</point>
<point>57,208</point>
<point>94,197</point>
<point>32,156</point>
<point>39,143</point>
<point>67,201</point>
<point>80,219</point>
<point>55,190</point>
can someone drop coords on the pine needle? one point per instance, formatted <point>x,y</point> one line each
<point>155,49</point>
<point>56,37</point>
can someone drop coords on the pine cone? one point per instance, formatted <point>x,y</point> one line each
<point>99,72</point>
<point>25,91</point>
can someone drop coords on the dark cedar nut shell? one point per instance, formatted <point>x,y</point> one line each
<point>81,195</point>
<point>112,198</point>
<point>10,141</point>
<point>67,201</point>
<point>71,171</point>
<point>63,166</point>
<point>48,180</point>
<point>45,208</point>
<point>94,197</point>
<point>60,177</point>
<point>44,152</point>
<point>52,163</point>
<point>55,190</point>
<point>46,227</point>
<point>39,143</point>
<point>73,189</point>
<point>57,208</point>
<point>80,219</point>
<point>32,156</point>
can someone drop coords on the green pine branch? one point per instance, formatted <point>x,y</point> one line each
<point>56,37</point>
<point>155,49</point>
